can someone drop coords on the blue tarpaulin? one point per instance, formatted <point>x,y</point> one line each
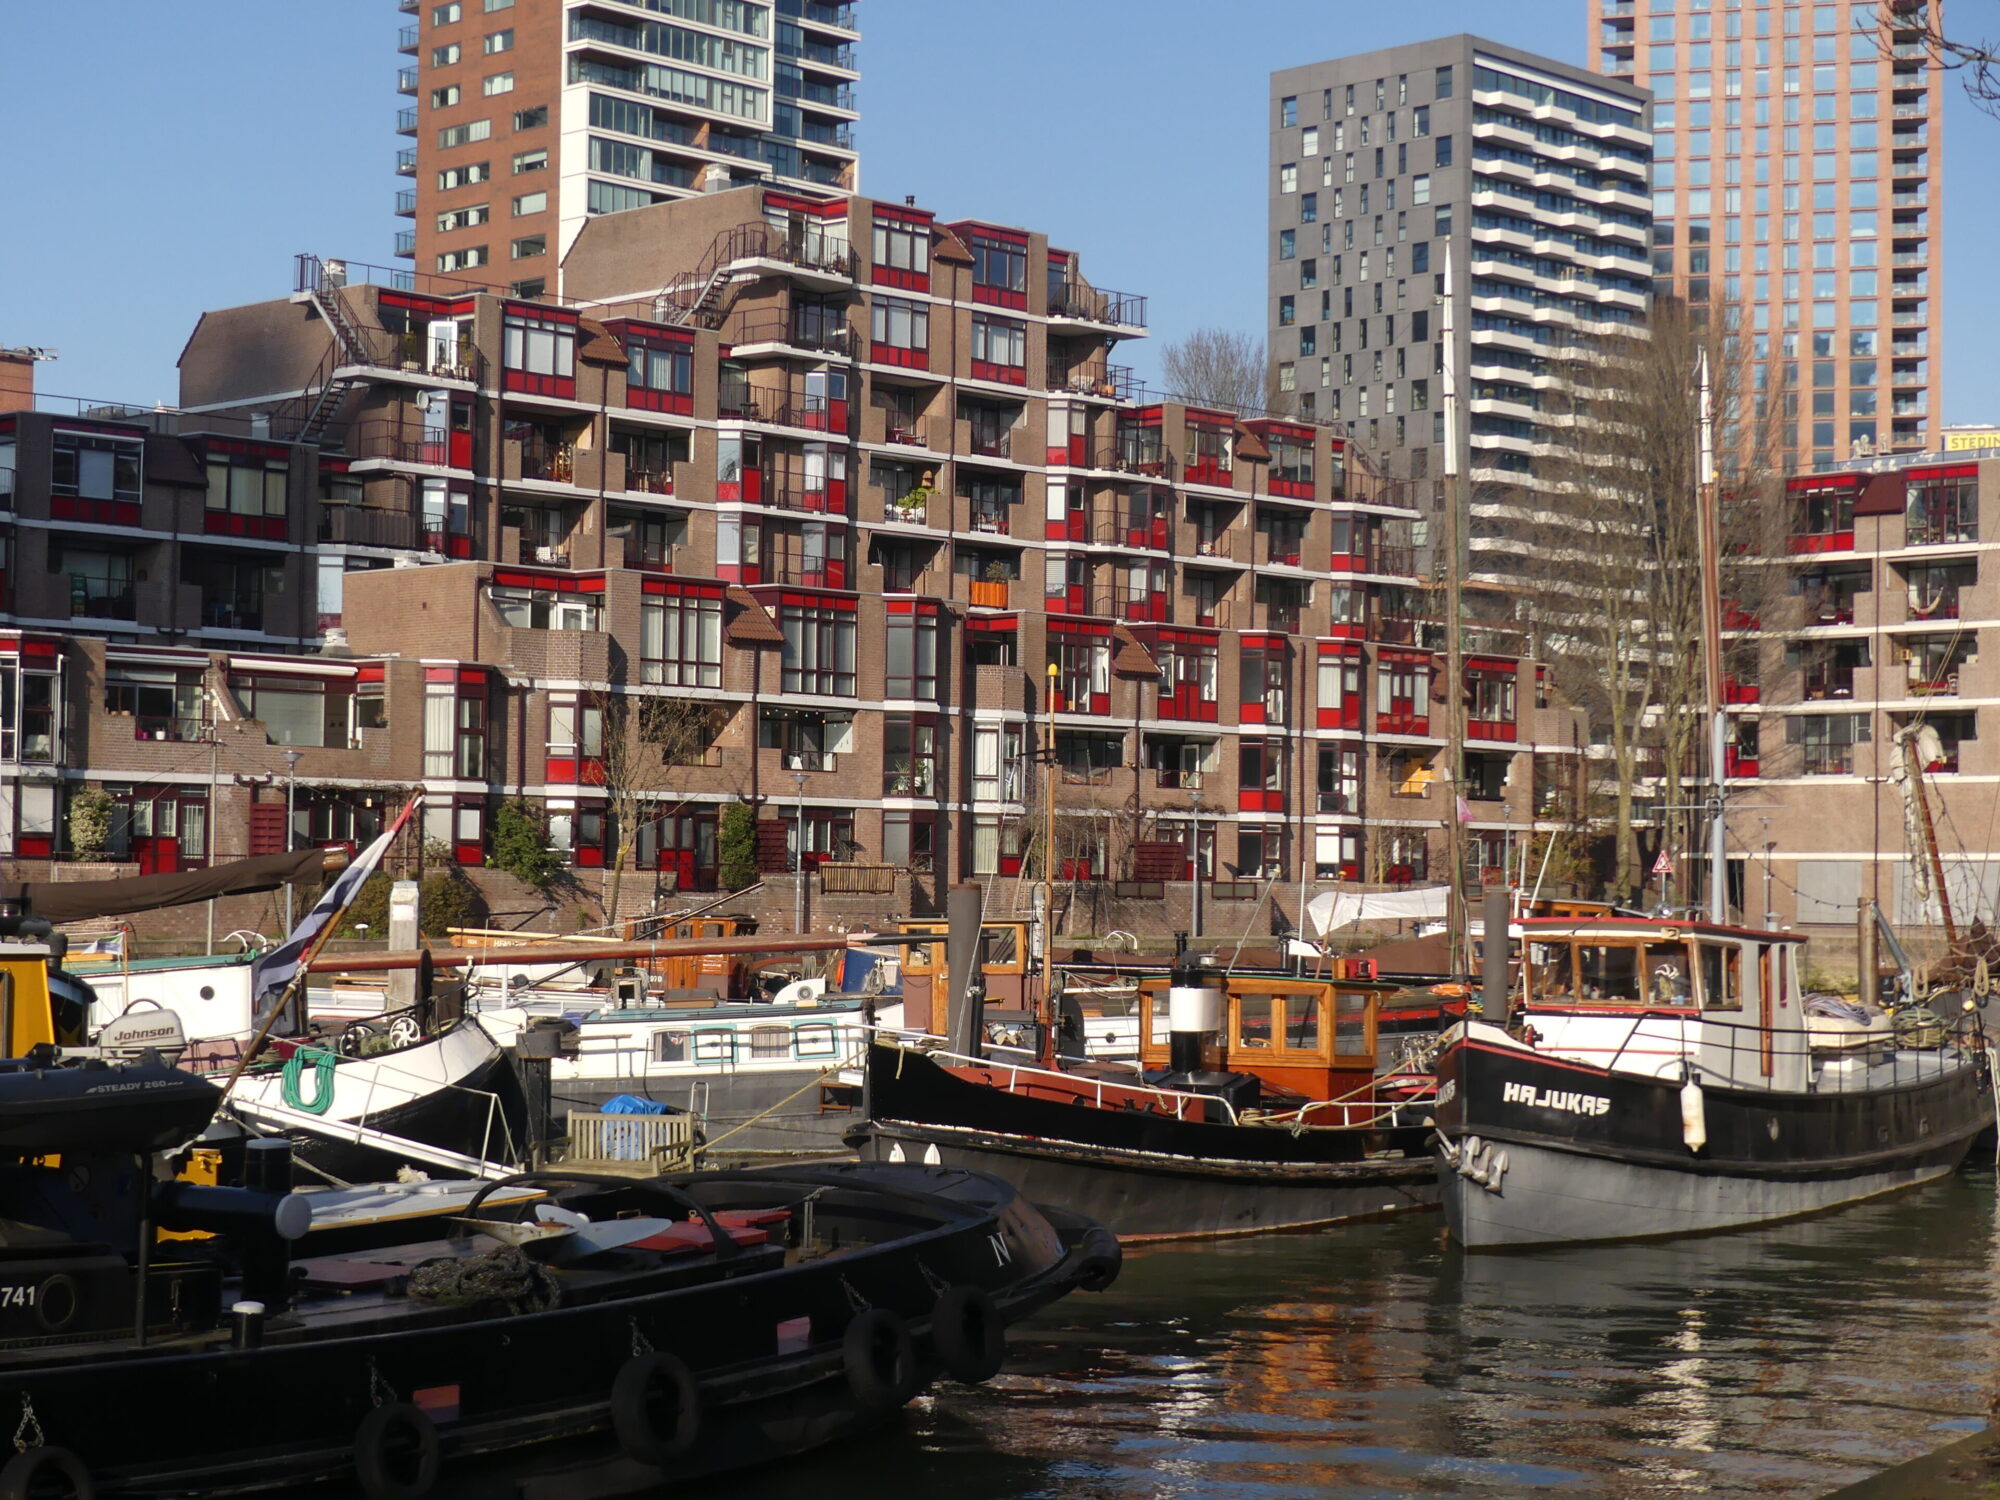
<point>632,1104</point>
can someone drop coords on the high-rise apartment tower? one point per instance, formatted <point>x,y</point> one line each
<point>1796,184</point>
<point>1534,174</point>
<point>530,116</point>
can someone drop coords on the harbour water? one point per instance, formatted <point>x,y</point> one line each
<point>1380,1362</point>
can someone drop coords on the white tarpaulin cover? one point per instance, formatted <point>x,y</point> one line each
<point>1341,908</point>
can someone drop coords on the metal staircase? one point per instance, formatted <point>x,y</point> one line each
<point>350,347</point>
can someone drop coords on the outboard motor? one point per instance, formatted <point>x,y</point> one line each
<point>1195,1016</point>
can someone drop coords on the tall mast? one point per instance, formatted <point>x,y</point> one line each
<point>1454,648</point>
<point>1709,539</point>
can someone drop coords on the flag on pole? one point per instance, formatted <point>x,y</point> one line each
<point>273,973</point>
<point>1464,811</point>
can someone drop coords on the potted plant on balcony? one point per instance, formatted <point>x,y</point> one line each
<point>913,502</point>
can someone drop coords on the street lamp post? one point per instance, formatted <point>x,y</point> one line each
<point>799,842</point>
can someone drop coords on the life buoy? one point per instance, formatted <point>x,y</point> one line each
<point>968,1334</point>
<point>880,1359</point>
<point>1102,1259</point>
<point>656,1408</point>
<point>396,1453</point>
<point>46,1473</point>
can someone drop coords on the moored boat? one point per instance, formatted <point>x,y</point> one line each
<point>1257,1108</point>
<point>682,1327</point>
<point>1663,1077</point>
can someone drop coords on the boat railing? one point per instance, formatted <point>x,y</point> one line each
<point>1917,1047</point>
<point>1072,1083</point>
<point>381,1071</point>
<point>1361,1100</point>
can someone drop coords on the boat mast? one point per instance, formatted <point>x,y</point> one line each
<point>1928,829</point>
<point>1454,646</point>
<point>1709,540</point>
<point>1048,1003</point>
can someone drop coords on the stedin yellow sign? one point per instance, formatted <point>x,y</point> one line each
<point>1966,439</point>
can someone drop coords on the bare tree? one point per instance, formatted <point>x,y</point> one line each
<point>1216,367</point>
<point>648,745</point>
<point>1615,534</point>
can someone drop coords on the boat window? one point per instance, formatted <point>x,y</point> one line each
<point>1161,1025</point>
<point>771,1041</point>
<point>1607,971</point>
<point>1350,1023</point>
<point>1253,1024</point>
<point>1721,979</point>
<point>670,1046</point>
<point>718,1045</point>
<point>816,1040</point>
<point>1668,980</point>
<point>1302,1023</point>
<point>1555,970</point>
<point>1001,947</point>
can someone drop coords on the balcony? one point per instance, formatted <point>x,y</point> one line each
<point>101,599</point>
<point>406,39</point>
<point>1823,681</point>
<point>406,203</point>
<point>824,335</point>
<point>555,462</point>
<point>406,122</point>
<point>167,727</point>
<point>1109,382</point>
<point>648,481</point>
<point>406,80</point>
<point>367,526</point>
<point>406,242</point>
<point>987,593</point>
<point>912,508</point>
<point>911,432</point>
<point>1078,302</point>
<point>406,161</point>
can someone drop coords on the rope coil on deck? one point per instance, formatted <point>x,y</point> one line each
<point>502,1275</point>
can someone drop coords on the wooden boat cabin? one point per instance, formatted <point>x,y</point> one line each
<point>1647,996</point>
<point>1010,985</point>
<point>1312,1038</point>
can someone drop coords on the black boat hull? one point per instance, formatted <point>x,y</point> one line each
<point>508,1394</point>
<point>1144,1177</point>
<point>1541,1151</point>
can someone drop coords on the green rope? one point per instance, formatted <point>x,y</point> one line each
<point>294,1076</point>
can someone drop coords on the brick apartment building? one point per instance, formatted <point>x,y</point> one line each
<point>528,117</point>
<point>862,480</point>
<point>1890,597</point>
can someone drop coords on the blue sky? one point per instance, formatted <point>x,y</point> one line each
<point>237,132</point>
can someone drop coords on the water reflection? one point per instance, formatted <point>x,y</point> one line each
<point>1381,1362</point>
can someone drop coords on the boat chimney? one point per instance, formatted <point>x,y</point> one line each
<point>1493,947</point>
<point>965,999</point>
<point>1194,1013</point>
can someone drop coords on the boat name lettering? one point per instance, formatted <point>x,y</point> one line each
<point>127,1088</point>
<point>1574,1103</point>
<point>1001,1254</point>
<point>1447,1091</point>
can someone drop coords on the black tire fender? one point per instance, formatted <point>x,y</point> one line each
<point>880,1359</point>
<point>968,1334</point>
<point>1102,1259</point>
<point>46,1473</point>
<point>656,1408</point>
<point>396,1453</point>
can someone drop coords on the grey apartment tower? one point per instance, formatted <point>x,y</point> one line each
<point>1529,178</point>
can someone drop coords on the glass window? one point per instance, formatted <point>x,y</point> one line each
<point>1253,1025</point>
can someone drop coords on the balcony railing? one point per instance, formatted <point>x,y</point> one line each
<point>406,201</point>
<point>100,599</point>
<point>1090,304</point>
<point>406,161</point>
<point>392,440</point>
<point>649,481</point>
<point>1112,382</point>
<point>367,526</point>
<point>1822,682</point>
<point>406,122</point>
